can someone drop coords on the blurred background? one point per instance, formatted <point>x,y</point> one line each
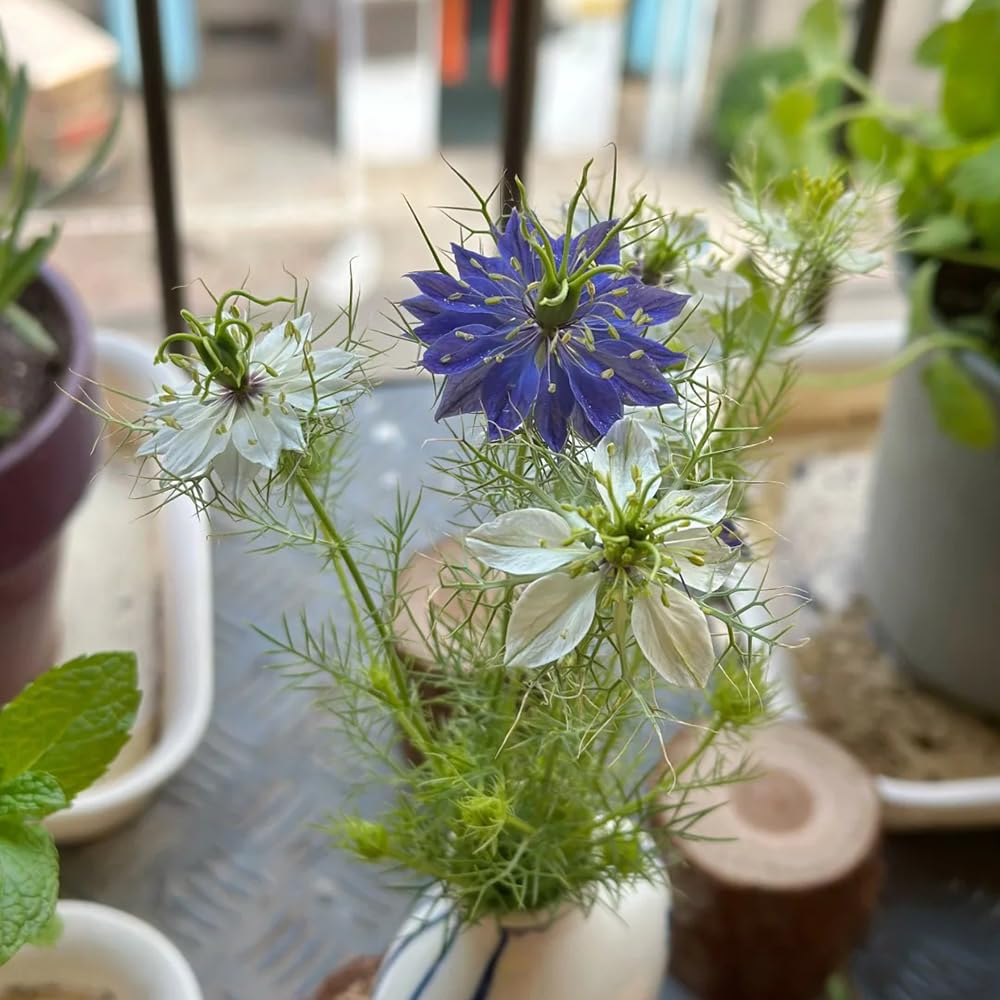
<point>298,125</point>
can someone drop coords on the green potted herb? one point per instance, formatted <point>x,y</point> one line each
<point>46,439</point>
<point>933,548</point>
<point>56,737</point>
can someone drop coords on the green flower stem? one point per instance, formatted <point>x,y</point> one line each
<point>411,720</point>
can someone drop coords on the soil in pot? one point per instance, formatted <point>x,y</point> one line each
<point>853,690</point>
<point>27,376</point>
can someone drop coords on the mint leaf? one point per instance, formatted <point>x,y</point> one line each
<point>72,721</point>
<point>970,96</point>
<point>31,795</point>
<point>978,178</point>
<point>821,33</point>
<point>922,320</point>
<point>963,411</point>
<point>940,233</point>
<point>871,139</point>
<point>933,48</point>
<point>29,885</point>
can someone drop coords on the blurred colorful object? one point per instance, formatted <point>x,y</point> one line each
<point>178,29</point>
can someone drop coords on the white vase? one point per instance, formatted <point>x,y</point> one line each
<point>617,951</point>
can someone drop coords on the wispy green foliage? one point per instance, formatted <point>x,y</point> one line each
<point>538,778</point>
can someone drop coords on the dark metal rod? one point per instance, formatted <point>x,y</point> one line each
<point>869,27</point>
<point>519,94</point>
<point>161,173</point>
<point>871,13</point>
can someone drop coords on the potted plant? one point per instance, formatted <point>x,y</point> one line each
<point>597,474</point>
<point>46,440</point>
<point>57,737</point>
<point>931,554</point>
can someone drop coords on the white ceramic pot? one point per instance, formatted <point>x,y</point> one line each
<point>617,951</point>
<point>105,952</point>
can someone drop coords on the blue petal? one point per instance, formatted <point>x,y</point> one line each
<point>637,381</point>
<point>596,396</point>
<point>446,290</point>
<point>452,353</point>
<point>661,355</point>
<point>446,321</point>
<point>461,393</point>
<point>589,240</point>
<point>552,409</point>
<point>513,246</point>
<point>508,393</point>
<point>659,304</point>
<point>477,270</point>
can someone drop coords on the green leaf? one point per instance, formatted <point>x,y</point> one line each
<point>978,178</point>
<point>940,233</point>
<point>10,420</point>
<point>72,721</point>
<point>933,47</point>
<point>23,268</point>
<point>30,330</point>
<point>962,410</point>
<point>32,795</point>
<point>922,320</point>
<point>792,107</point>
<point>970,95</point>
<point>821,32</point>
<point>29,885</point>
<point>870,139</point>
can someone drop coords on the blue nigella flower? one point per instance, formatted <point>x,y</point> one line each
<point>541,335</point>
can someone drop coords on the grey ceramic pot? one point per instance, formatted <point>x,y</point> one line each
<point>43,474</point>
<point>932,555</point>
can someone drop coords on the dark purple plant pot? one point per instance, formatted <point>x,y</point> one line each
<point>43,474</point>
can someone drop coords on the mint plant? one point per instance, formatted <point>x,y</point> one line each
<point>57,737</point>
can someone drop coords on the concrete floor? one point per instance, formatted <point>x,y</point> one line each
<point>262,190</point>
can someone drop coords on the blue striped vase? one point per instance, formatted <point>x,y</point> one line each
<point>617,951</point>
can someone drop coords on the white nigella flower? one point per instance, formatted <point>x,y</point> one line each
<point>843,219</point>
<point>636,546</point>
<point>233,428</point>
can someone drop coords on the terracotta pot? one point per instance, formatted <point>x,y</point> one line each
<point>43,474</point>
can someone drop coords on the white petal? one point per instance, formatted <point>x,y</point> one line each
<point>703,504</point>
<point>624,452</point>
<point>276,348</point>
<point>717,287</point>
<point>525,542</point>
<point>256,437</point>
<point>703,560</point>
<point>551,618</point>
<point>858,261</point>
<point>186,450</point>
<point>326,386</point>
<point>233,473</point>
<point>674,639</point>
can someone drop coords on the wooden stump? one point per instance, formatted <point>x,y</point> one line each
<point>352,981</point>
<point>428,586</point>
<point>779,892</point>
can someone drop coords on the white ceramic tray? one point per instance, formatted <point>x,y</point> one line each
<point>144,583</point>
<point>828,566</point>
<point>105,952</point>
<point>911,805</point>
